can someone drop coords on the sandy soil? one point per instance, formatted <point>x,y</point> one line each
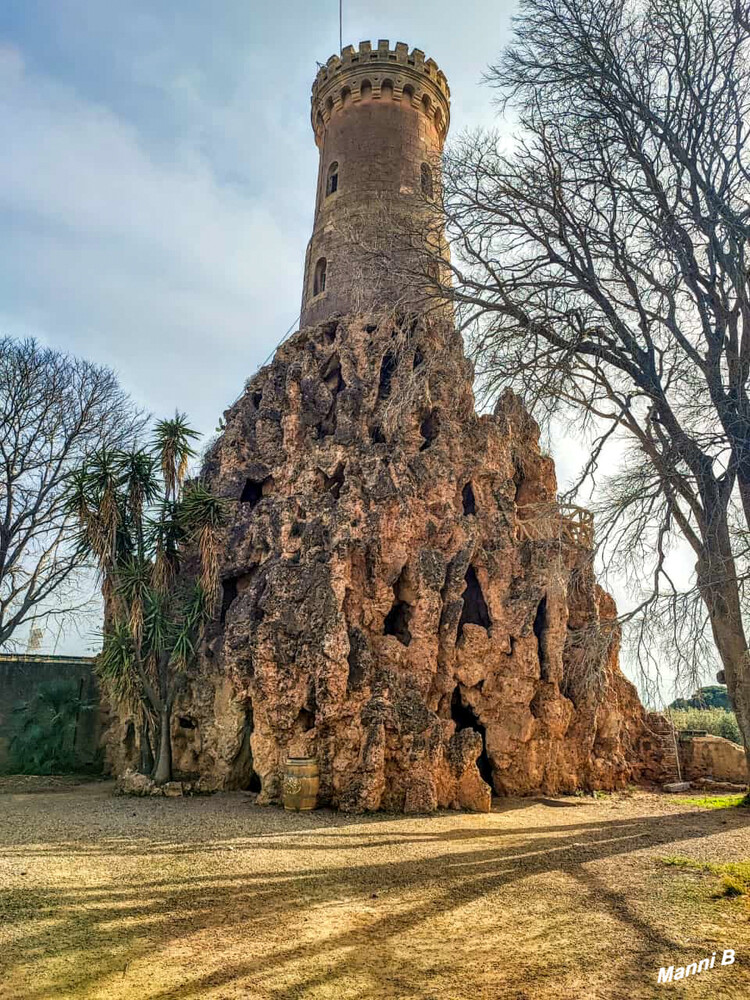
<point>217,898</point>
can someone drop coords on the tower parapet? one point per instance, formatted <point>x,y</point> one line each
<point>411,77</point>
<point>380,117</point>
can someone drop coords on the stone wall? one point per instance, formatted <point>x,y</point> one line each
<point>713,757</point>
<point>20,679</point>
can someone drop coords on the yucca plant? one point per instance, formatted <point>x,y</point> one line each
<point>139,518</point>
<point>172,443</point>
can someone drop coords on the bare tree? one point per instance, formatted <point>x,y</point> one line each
<point>600,266</point>
<point>55,412</point>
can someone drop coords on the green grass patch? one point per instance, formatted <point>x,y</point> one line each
<point>717,801</point>
<point>734,875</point>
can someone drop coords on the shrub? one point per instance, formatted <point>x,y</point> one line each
<point>717,721</point>
<point>43,730</point>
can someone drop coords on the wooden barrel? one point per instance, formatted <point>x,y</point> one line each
<point>301,781</point>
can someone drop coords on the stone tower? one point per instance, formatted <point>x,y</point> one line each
<point>380,118</point>
<point>402,596</point>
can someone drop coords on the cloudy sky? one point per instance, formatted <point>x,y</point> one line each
<point>157,183</point>
<point>158,177</point>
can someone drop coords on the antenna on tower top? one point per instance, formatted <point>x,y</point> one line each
<point>341,25</point>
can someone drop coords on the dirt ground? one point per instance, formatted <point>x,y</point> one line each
<point>113,898</point>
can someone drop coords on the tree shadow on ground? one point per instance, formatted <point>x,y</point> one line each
<point>99,929</point>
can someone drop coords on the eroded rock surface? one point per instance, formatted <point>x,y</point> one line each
<point>714,758</point>
<point>398,597</point>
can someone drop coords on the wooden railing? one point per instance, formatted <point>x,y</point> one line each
<point>546,521</point>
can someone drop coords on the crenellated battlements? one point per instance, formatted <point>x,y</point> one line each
<point>403,74</point>
<point>369,56</point>
<point>380,115</point>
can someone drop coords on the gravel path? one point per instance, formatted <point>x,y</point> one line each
<point>214,898</point>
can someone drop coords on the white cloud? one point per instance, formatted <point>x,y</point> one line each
<point>151,264</point>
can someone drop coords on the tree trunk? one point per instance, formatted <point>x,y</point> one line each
<point>163,770</point>
<point>735,659</point>
<point>718,587</point>
<point>147,754</point>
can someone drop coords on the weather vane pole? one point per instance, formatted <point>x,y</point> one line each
<point>341,25</point>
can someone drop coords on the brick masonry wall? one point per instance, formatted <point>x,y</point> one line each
<point>379,135</point>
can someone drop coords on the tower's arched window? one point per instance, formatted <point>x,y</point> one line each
<point>408,93</point>
<point>332,181</point>
<point>365,90</point>
<point>426,180</point>
<point>319,278</point>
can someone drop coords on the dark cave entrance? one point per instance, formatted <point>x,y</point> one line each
<point>475,610</point>
<point>334,483</point>
<point>429,429</point>
<point>387,371</point>
<point>540,626</point>
<point>228,596</point>
<point>464,717</point>
<point>398,618</point>
<point>397,622</point>
<point>468,499</point>
<point>249,780</point>
<point>332,376</point>
<point>254,490</point>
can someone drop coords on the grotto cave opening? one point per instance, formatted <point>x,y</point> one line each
<point>228,596</point>
<point>475,610</point>
<point>465,718</point>
<point>468,499</point>
<point>540,624</point>
<point>398,618</point>
<point>252,491</point>
<point>244,775</point>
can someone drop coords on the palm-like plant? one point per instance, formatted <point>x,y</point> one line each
<point>172,442</point>
<point>138,520</point>
<point>201,516</point>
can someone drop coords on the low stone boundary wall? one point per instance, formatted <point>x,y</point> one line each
<point>713,757</point>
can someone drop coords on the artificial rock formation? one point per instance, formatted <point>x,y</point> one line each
<point>394,603</point>
<point>401,596</point>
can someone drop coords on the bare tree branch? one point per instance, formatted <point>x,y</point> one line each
<point>55,412</point>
